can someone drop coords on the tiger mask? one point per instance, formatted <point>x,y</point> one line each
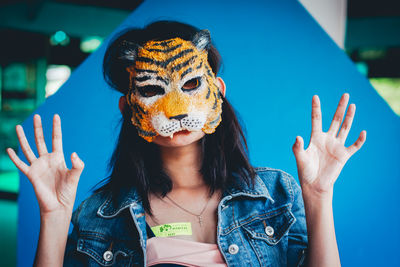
<point>172,87</point>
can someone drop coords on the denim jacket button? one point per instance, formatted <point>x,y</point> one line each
<point>269,231</point>
<point>108,255</point>
<point>233,249</point>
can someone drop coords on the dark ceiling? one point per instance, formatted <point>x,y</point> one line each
<point>355,8</point>
<point>118,4</point>
<point>372,8</point>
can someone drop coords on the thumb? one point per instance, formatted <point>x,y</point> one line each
<point>298,146</point>
<point>77,166</point>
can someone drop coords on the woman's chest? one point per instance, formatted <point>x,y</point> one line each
<point>168,220</point>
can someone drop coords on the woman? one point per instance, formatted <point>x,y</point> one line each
<point>182,191</point>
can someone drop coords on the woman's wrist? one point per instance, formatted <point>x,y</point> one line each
<point>57,216</point>
<point>316,203</point>
<point>53,237</point>
<point>311,194</point>
<point>320,228</point>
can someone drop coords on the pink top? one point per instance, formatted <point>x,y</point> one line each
<point>184,252</point>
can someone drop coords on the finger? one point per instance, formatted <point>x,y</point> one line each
<point>357,144</point>
<point>39,138</point>
<point>298,147</point>
<point>337,118</point>
<point>316,116</point>
<point>348,120</point>
<point>77,167</point>
<point>25,147</point>
<point>57,135</point>
<point>17,161</point>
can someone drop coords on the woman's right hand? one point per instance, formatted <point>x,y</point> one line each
<point>55,185</point>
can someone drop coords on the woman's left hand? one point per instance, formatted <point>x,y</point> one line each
<point>321,163</point>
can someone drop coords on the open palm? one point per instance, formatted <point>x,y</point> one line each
<point>54,184</point>
<point>321,163</point>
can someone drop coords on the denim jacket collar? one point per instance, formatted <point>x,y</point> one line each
<point>131,197</point>
<point>240,188</point>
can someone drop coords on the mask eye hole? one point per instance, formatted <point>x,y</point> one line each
<point>150,90</point>
<point>191,85</point>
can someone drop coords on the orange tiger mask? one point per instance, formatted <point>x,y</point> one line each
<point>172,87</point>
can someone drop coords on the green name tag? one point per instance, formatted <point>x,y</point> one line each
<point>172,229</point>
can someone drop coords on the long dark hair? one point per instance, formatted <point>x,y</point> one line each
<point>136,162</point>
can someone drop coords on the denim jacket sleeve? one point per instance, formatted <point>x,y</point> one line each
<point>71,256</point>
<point>99,241</point>
<point>298,240</point>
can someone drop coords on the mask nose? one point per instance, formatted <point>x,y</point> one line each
<point>178,117</point>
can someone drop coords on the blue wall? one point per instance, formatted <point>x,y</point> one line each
<point>275,58</point>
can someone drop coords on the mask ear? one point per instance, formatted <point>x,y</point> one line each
<point>202,40</point>
<point>128,51</point>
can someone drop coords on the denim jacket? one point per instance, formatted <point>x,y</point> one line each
<point>260,226</point>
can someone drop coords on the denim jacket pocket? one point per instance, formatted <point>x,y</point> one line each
<point>267,234</point>
<point>271,226</point>
<point>103,250</point>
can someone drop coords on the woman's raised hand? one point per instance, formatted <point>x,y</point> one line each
<point>321,163</point>
<point>55,185</point>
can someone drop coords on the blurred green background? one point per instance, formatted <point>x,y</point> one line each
<point>42,42</point>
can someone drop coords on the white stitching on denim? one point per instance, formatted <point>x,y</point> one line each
<point>268,195</point>
<point>96,256</point>
<point>275,212</point>
<point>302,258</point>
<point>255,249</point>
<point>269,240</point>
<point>289,184</point>
<point>244,246</point>
<point>141,237</point>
